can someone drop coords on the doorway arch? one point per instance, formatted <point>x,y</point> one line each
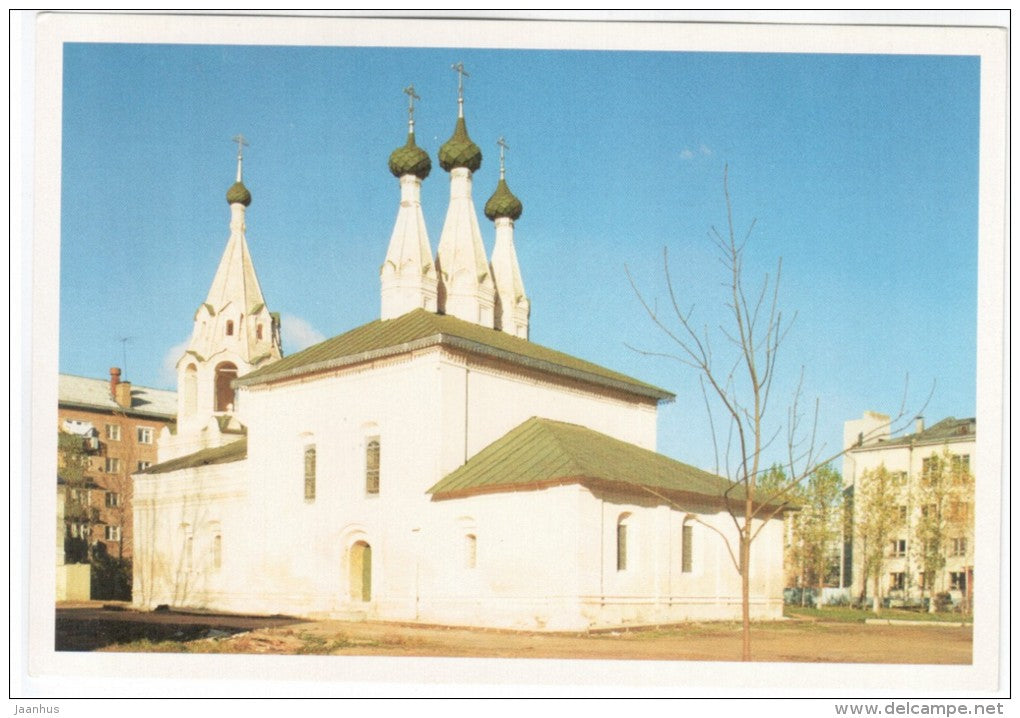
<point>359,566</point>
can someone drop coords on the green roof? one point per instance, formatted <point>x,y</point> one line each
<point>459,150</point>
<point>410,160</point>
<point>503,203</point>
<point>419,329</point>
<point>238,193</point>
<point>542,452</point>
<point>234,451</point>
<point>949,429</point>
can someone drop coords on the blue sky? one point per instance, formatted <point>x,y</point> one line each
<point>861,172</point>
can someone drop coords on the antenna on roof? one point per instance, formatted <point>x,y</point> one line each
<point>123,351</point>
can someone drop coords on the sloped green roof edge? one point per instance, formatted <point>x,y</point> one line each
<point>420,329</point>
<point>542,452</point>
<point>947,430</point>
<point>234,451</point>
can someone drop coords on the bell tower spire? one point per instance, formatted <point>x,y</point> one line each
<point>512,308</point>
<point>233,333</point>
<point>408,276</point>
<point>466,290</point>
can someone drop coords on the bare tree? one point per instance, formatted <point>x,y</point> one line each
<point>738,382</point>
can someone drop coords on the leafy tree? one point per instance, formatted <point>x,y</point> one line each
<point>877,521</point>
<point>819,522</point>
<point>73,467</point>
<point>943,495</point>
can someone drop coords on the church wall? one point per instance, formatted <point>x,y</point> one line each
<point>178,516</point>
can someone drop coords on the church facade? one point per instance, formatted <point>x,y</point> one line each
<point>433,465</point>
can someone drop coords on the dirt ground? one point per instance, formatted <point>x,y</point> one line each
<point>788,640</point>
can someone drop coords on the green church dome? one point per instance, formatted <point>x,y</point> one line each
<point>503,203</point>
<point>239,193</point>
<point>459,150</point>
<point>410,160</point>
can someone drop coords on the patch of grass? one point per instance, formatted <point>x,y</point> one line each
<point>313,645</point>
<point>842,614</point>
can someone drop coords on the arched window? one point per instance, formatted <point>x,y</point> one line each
<point>225,374</point>
<point>372,465</point>
<point>190,390</point>
<point>621,542</point>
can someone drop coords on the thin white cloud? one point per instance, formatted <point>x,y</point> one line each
<point>703,150</point>
<point>298,334</point>
<point>168,368</point>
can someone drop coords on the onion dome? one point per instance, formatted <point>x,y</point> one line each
<point>410,160</point>
<point>503,203</point>
<point>459,150</point>
<point>239,193</point>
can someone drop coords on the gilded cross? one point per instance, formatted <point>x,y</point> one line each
<point>461,74</point>
<point>239,139</point>
<point>503,146</point>
<point>411,97</point>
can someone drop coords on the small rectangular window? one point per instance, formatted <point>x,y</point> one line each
<point>144,434</point>
<point>112,499</point>
<point>897,581</point>
<point>113,432</point>
<point>372,458</point>
<point>959,547</point>
<point>143,465</point>
<point>687,556</point>
<point>309,473</point>
<point>112,533</point>
<point>217,551</point>
<point>898,548</point>
<point>112,465</point>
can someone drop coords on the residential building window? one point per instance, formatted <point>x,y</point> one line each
<point>960,464</point>
<point>143,465</point>
<point>959,510</point>
<point>958,547</point>
<point>80,497</point>
<point>958,581</point>
<point>112,465</point>
<point>897,581</point>
<point>687,549</point>
<point>112,499</point>
<point>372,466</point>
<point>144,434</point>
<point>80,530</point>
<point>113,432</point>
<point>902,514</point>
<point>470,551</point>
<point>112,533</point>
<point>899,548</point>
<point>310,473</point>
<point>621,543</point>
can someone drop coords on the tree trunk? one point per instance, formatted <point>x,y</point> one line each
<point>745,589</point>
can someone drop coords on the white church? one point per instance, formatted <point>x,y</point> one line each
<point>433,465</point>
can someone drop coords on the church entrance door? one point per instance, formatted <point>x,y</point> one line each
<point>360,567</point>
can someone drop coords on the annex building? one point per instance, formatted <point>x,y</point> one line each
<point>433,465</point>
